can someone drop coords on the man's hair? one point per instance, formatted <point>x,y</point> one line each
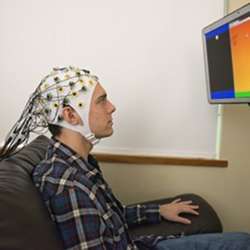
<point>55,130</point>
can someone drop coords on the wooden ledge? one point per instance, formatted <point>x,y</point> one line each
<point>160,160</point>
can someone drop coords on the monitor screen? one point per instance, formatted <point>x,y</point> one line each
<point>226,46</point>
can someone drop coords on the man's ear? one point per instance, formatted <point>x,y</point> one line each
<point>71,116</point>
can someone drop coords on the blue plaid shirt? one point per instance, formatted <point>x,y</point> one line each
<point>80,202</point>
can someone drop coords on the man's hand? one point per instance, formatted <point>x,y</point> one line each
<point>172,210</point>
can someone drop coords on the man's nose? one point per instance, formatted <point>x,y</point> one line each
<point>112,107</point>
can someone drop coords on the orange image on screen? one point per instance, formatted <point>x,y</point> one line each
<point>240,46</point>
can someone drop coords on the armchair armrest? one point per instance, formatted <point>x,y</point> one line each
<point>206,222</point>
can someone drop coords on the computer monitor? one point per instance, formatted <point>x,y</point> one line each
<point>226,44</point>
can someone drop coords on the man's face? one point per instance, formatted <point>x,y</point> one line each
<point>100,115</point>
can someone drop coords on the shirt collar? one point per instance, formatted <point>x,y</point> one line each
<point>90,166</point>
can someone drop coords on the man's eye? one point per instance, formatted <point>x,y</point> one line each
<point>101,100</point>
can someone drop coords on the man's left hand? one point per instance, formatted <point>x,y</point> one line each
<point>172,211</point>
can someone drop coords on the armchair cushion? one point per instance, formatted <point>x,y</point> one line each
<point>24,219</point>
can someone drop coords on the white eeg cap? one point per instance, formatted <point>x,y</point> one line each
<point>68,86</point>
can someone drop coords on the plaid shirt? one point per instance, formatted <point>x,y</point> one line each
<point>80,202</point>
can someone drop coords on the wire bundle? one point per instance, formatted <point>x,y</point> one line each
<point>28,122</point>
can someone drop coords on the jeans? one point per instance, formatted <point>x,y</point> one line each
<point>222,241</point>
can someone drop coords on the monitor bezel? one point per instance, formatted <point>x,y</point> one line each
<point>226,19</point>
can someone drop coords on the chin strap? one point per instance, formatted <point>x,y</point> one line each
<point>84,131</point>
<point>92,139</point>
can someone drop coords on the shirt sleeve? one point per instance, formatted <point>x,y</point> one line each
<point>137,214</point>
<point>78,221</point>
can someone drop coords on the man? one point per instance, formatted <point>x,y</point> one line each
<point>75,107</point>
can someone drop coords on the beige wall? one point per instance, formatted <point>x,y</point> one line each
<point>226,189</point>
<point>234,4</point>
